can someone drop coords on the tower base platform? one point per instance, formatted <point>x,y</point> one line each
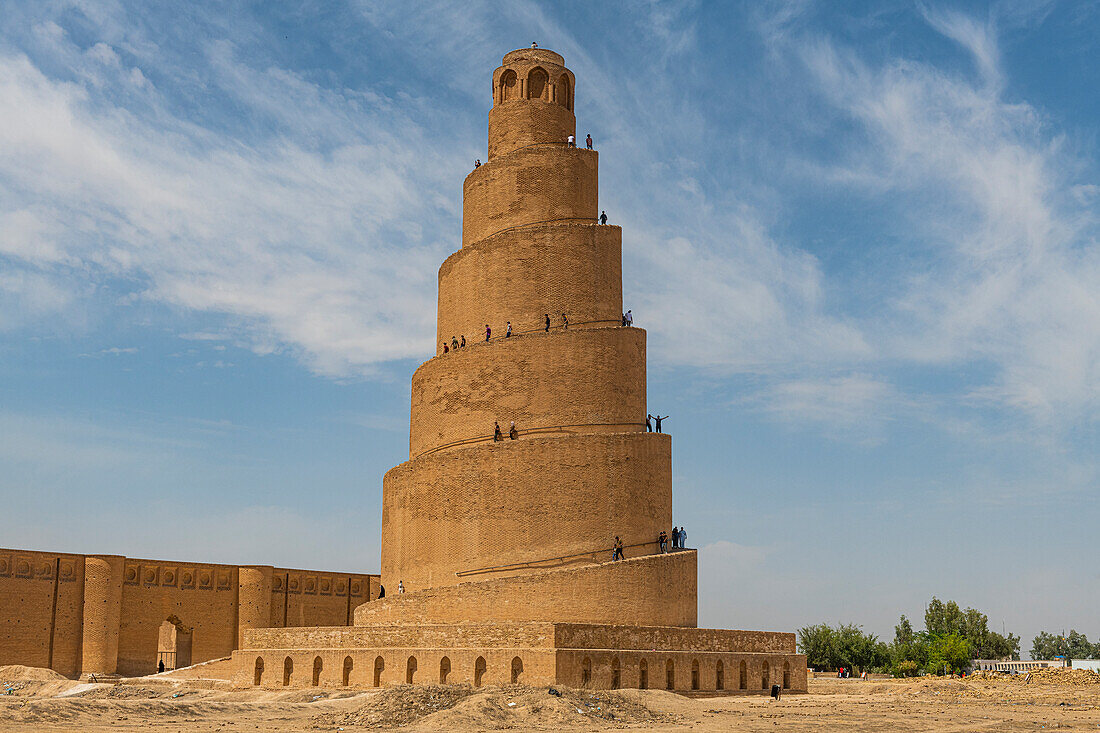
<point>597,656</point>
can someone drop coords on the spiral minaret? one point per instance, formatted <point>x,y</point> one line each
<point>582,469</point>
<point>503,547</point>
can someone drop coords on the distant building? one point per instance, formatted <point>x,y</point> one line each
<point>1093,664</point>
<point>1013,665</point>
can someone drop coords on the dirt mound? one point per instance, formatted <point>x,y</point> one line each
<point>460,707</point>
<point>19,673</point>
<point>1065,676</point>
<point>397,706</point>
<point>534,708</point>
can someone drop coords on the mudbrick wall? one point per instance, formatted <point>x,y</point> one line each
<point>102,614</point>
<point>541,183</point>
<point>649,590</point>
<point>533,653</point>
<point>523,501</point>
<point>522,275</point>
<point>588,381</point>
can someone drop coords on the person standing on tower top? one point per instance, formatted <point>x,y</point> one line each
<point>571,141</point>
<point>603,217</point>
<point>657,419</point>
<point>547,323</point>
<point>588,141</point>
<point>508,331</point>
<point>488,332</point>
<point>629,318</point>
<point>648,424</point>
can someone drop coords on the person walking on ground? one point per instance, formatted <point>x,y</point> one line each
<point>445,347</point>
<point>617,551</point>
<point>497,435</point>
<point>662,540</point>
<point>488,332</point>
<point>564,321</point>
<point>648,423</point>
<point>629,318</point>
<point>160,666</point>
<point>657,419</point>
<point>588,141</point>
<point>454,344</point>
<point>603,217</point>
<point>508,331</point>
<point>400,587</point>
<point>547,323</point>
<point>462,344</point>
<point>381,591</point>
<point>572,141</point>
<point>512,432</point>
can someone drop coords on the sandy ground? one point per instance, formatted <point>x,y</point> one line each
<point>849,705</point>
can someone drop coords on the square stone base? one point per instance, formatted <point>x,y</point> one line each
<point>535,653</point>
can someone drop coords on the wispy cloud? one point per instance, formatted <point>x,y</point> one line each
<point>857,405</point>
<point>1008,263</point>
<point>320,238</point>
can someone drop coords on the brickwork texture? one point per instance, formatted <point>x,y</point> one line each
<point>102,614</point>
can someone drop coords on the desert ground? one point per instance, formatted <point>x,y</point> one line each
<point>40,700</point>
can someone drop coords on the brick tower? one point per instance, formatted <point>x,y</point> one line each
<point>503,547</point>
<point>583,468</point>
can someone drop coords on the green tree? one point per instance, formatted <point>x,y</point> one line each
<point>1078,646</point>
<point>909,652</point>
<point>948,652</point>
<point>1074,646</point>
<point>845,646</point>
<point>816,642</point>
<point>1047,646</point>
<point>942,618</point>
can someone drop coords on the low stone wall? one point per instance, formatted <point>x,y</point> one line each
<point>654,590</point>
<point>683,660</point>
<point>383,667</point>
<point>681,671</point>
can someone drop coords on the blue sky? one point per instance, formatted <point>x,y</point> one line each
<point>862,238</point>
